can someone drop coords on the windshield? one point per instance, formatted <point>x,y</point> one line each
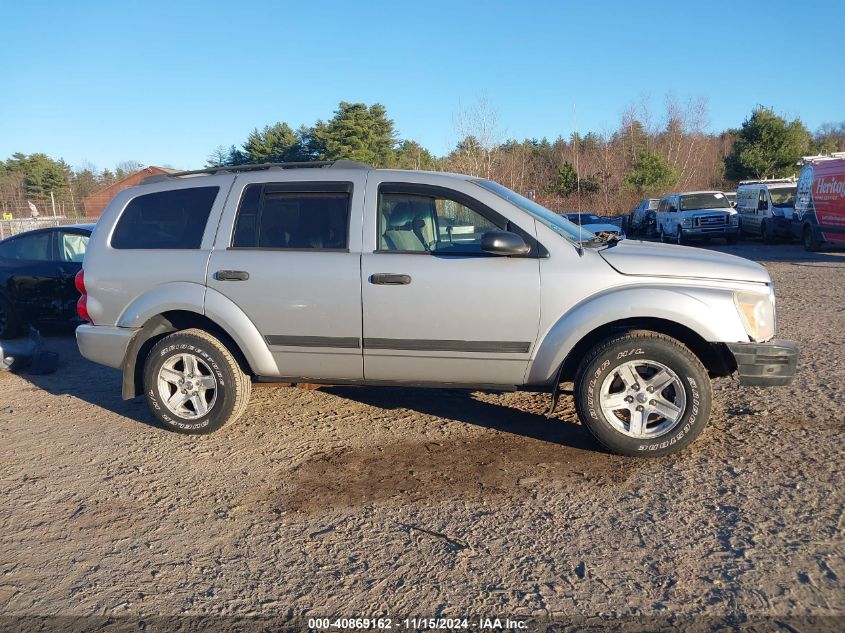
<point>555,222</point>
<point>652,203</point>
<point>695,201</point>
<point>584,218</point>
<point>783,196</point>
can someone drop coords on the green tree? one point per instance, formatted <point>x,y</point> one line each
<point>650,174</point>
<point>566,182</point>
<point>767,146</point>
<point>356,132</point>
<point>41,174</point>
<point>274,144</point>
<point>412,155</point>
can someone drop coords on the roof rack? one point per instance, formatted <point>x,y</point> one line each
<point>769,181</point>
<point>812,159</point>
<point>234,169</point>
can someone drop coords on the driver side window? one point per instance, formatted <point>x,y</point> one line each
<point>423,223</point>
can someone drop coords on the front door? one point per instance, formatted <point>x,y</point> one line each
<point>288,255</point>
<point>436,308</point>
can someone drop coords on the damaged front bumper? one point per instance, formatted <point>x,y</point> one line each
<point>765,364</point>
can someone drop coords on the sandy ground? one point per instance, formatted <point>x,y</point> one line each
<point>403,503</point>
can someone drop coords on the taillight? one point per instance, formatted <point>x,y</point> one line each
<point>82,303</point>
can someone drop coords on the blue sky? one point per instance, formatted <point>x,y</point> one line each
<point>167,82</point>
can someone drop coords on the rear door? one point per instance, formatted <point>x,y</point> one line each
<point>436,308</point>
<point>32,274</point>
<point>288,255</point>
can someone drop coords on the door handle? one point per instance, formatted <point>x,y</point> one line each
<point>389,279</point>
<point>231,275</point>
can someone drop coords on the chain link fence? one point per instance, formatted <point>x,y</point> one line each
<point>19,225</point>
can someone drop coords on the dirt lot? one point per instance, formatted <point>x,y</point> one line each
<point>400,502</point>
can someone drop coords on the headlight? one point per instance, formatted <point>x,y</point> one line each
<point>685,221</point>
<point>734,218</point>
<point>758,314</point>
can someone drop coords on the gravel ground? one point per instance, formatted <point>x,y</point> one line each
<point>402,502</point>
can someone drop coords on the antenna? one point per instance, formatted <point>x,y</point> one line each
<point>578,182</point>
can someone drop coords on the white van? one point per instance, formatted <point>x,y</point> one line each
<point>765,207</point>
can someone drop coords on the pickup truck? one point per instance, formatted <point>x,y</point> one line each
<point>198,284</point>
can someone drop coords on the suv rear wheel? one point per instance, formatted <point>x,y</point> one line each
<point>643,393</point>
<point>193,384</point>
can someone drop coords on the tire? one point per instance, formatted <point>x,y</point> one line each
<point>663,235</point>
<point>184,356</point>
<point>809,239</point>
<point>679,238</point>
<point>10,325</point>
<point>603,381</point>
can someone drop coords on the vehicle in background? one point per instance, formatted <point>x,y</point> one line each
<point>37,271</point>
<point>819,214</point>
<point>731,196</point>
<point>696,215</point>
<point>595,224</point>
<point>638,219</point>
<point>765,208</point>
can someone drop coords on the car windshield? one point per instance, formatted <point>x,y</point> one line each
<point>695,201</point>
<point>653,202</point>
<point>584,218</point>
<point>557,223</point>
<point>783,196</point>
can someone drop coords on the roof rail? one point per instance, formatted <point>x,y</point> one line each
<point>233,169</point>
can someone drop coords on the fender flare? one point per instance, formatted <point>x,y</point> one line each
<point>709,312</point>
<point>146,315</point>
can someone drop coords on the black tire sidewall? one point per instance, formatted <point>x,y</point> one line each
<point>186,343</point>
<point>693,376</point>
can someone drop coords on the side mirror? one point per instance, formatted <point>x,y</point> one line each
<point>503,243</point>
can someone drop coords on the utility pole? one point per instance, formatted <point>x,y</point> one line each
<point>53,202</point>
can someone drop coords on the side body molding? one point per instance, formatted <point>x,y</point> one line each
<point>709,312</point>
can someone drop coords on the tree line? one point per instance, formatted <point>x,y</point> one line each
<point>604,171</point>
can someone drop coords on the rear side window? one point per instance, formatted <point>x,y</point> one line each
<point>294,216</point>
<point>35,247</point>
<point>173,219</point>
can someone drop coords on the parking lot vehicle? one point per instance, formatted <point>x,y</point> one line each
<point>638,219</point>
<point>37,271</point>
<point>197,284</point>
<point>595,224</point>
<point>696,215</point>
<point>820,202</point>
<point>765,208</point>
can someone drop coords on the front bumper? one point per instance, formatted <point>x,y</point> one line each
<point>730,230</point>
<point>765,364</point>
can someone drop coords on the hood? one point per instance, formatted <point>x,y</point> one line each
<point>730,211</point>
<point>633,257</point>
<point>598,228</point>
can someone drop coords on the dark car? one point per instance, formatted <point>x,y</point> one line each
<point>641,218</point>
<point>37,271</point>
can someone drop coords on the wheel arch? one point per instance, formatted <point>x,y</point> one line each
<point>701,318</point>
<point>160,325</point>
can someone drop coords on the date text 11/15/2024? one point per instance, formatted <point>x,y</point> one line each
<point>446,624</point>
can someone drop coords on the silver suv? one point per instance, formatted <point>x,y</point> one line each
<point>198,284</point>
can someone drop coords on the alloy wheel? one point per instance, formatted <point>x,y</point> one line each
<point>643,399</point>
<point>187,386</point>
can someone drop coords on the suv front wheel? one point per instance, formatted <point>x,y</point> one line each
<point>193,384</point>
<point>643,393</point>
